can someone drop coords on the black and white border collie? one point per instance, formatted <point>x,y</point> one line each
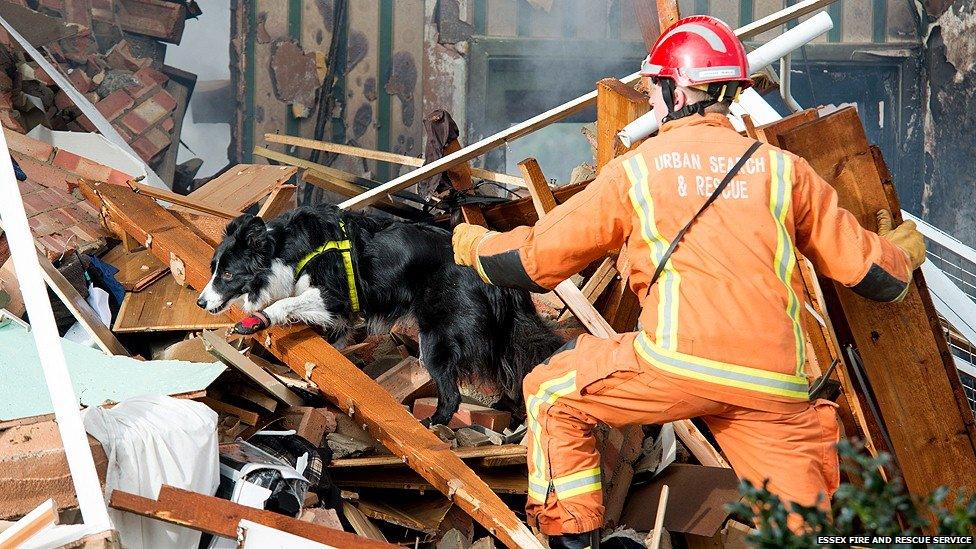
<point>468,330</point>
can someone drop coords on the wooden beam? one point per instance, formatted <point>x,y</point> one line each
<point>179,199</point>
<point>221,517</point>
<point>667,13</point>
<point>218,347</point>
<point>904,352</point>
<point>475,452</point>
<point>542,197</point>
<point>242,185</point>
<point>43,517</point>
<point>647,20</point>
<point>382,156</point>
<point>542,120</point>
<point>617,105</point>
<point>305,352</point>
<point>282,199</point>
<point>505,216</point>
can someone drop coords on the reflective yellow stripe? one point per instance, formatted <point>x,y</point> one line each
<point>581,482</point>
<point>548,392</point>
<point>345,248</point>
<point>721,373</point>
<point>780,198</point>
<point>667,285</point>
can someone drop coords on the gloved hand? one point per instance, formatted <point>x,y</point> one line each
<point>251,324</point>
<point>464,241</point>
<point>904,236</point>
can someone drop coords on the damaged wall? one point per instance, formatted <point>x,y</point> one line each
<point>949,201</point>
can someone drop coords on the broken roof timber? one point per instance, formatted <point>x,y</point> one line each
<point>305,352</point>
<point>552,115</point>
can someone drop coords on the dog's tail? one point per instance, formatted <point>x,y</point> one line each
<point>531,342</point>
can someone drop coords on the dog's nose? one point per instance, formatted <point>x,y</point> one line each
<point>201,302</point>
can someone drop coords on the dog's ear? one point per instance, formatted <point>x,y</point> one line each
<point>255,234</point>
<point>237,224</point>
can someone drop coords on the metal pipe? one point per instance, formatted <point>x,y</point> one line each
<point>785,80</point>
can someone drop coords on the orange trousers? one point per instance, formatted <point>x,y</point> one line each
<point>603,380</point>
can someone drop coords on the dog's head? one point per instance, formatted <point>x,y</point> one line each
<point>239,264</point>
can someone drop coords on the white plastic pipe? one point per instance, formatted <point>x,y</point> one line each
<point>49,351</point>
<point>759,58</point>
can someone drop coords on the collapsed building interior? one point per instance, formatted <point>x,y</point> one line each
<point>143,127</point>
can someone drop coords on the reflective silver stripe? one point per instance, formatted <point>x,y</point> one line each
<point>694,28</point>
<point>736,375</point>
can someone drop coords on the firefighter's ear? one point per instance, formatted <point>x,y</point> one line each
<point>680,98</point>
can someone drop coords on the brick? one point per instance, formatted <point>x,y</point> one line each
<point>28,146</point>
<point>38,203</point>
<point>122,57</point>
<point>168,125</point>
<point>150,145</point>
<point>46,175</point>
<point>89,169</point>
<point>123,131</point>
<point>66,160</point>
<point>114,104</point>
<point>144,116</point>
<point>164,100</point>
<point>78,12</point>
<point>118,178</point>
<point>149,74</point>
<point>10,121</point>
<point>27,187</point>
<point>80,80</point>
<point>310,423</point>
<point>86,123</point>
<point>62,101</point>
<point>467,414</point>
<point>155,18</point>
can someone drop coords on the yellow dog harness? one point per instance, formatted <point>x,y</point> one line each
<point>345,248</point>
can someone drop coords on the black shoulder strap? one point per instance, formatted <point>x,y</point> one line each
<point>715,194</point>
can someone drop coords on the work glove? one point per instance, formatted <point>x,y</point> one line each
<point>465,243</point>
<point>904,236</point>
<point>251,324</point>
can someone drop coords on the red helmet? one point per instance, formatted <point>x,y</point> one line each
<point>698,50</point>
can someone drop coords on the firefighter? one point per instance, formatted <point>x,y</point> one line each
<point>720,336</point>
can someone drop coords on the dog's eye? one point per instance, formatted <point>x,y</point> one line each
<point>226,276</point>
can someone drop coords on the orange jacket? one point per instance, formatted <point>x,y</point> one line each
<point>724,318</point>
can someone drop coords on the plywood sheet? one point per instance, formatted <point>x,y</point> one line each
<point>242,185</point>
<point>165,306</point>
<point>136,269</point>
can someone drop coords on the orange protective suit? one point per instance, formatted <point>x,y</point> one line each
<point>721,336</point>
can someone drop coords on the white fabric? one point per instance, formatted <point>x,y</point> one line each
<point>154,440</point>
<point>98,299</point>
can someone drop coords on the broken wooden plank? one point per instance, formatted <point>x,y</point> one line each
<point>184,201</point>
<point>507,480</point>
<point>247,416</point>
<point>360,523</point>
<point>505,216</point>
<point>382,156</point>
<point>136,269</point>
<point>921,401</point>
<point>617,105</point>
<point>479,452</point>
<point>423,513</point>
<point>335,376</point>
<point>220,517</point>
<point>218,347</point>
<point>165,306</point>
<point>242,185</point>
<point>310,423</point>
<point>282,199</point>
<point>538,185</point>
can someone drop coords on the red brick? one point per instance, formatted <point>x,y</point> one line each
<point>86,123</point>
<point>62,101</point>
<point>164,100</point>
<point>123,131</point>
<point>156,18</point>
<point>467,414</point>
<point>92,170</point>
<point>27,187</point>
<point>66,160</point>
<point>6,84</point>
<point>80,80</point>
<point>135,123</point>
<point>9,121</point>
<point>37,203</point>
<point>168,125</point>
<point>114,104</point>
<point>149,74</point>
<point>151,144</point>
<point>122,57</point>
<point>28,146</point>
<point>118,178</point>
<point>47,175</point>
<point>40,75</point>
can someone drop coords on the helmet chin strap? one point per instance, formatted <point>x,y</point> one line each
<point>667,93</point>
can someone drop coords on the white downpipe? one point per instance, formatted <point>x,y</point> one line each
<point>761,57</point>
<point>786,83</point>
<point>45,332</point>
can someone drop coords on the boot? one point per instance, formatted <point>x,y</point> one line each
<point>586,540</point>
